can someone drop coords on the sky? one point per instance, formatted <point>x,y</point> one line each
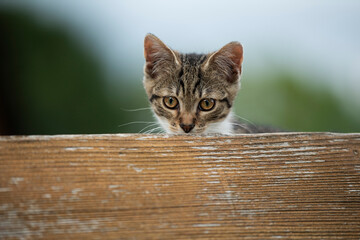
<point>315,38</point>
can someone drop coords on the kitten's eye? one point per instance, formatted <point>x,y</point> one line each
<point>207,104</point>
<point>171,102</point>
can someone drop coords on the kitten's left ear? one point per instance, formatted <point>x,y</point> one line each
<point>227,61</point>
<point>158,56</point>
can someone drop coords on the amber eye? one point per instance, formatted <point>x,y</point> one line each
<point>207,104</point>
<point>171,102</point>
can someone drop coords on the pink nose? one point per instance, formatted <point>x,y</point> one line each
<point>187,127</point>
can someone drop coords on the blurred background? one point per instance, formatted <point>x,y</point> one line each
<point>75,66</point>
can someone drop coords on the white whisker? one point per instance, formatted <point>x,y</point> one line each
<point>246,120</point>
<point>152,130</point>
<point>135,122</point>
<point>136,109</point>
<point>149,126</point>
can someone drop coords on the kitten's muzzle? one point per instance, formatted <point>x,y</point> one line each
<point>187,127</point>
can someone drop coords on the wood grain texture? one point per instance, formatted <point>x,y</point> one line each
<point>263,186</point>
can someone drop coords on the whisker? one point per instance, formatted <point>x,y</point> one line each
<point>136,109</point>
<point>160,130</point>
<point>242,118</point>
<point>155,129</point>
<point>149,126</point>
<point>152,130</point>
<point>135,122</point>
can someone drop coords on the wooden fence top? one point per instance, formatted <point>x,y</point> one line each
<point>132,186</point>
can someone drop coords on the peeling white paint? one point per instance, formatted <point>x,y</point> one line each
<point>80,226</point>
<point>137,169</point>
<point>207,157</point>
<point>47,195</point>
<point>292,151</point>
<point>57,188</point>
<point>207,225</point>
<point>214,176</point>
<point>297,162</point>
<point>77,148</point>
<point>117,191</point>
<point>303,172</point>
<point>74,164</point>
<point>76,190</point>
<point>206,153</point>
<point>5,189</point>
<point>205,148</point>
<point>5,206</point>
<point>152,136</point>
<point>219,158</point>
<point>16,180</point>
<point>203,214</point>
<point>338,140</point>
<point>213,182</point>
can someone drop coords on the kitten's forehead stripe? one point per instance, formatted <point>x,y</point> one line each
<point>197,84</point>
<point>182,86</point>
<point>181,73</point>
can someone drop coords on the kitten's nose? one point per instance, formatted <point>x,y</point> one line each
<point>187,127</point>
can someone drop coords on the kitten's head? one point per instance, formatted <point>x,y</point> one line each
<point>192,93</point>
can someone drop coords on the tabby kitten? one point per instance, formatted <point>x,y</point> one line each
<point>194,93</point>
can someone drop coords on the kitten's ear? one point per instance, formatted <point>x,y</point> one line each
<point>158,56</point>
<point>227,61</point>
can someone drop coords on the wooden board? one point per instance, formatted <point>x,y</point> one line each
<point>264,186</point>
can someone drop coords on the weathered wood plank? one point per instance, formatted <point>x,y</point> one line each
<point>265,186</point>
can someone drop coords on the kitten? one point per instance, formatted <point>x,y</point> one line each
<point>194,93</point>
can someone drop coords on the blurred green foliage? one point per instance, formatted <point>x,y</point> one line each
<point>50,84</point>
<point>288,101</point>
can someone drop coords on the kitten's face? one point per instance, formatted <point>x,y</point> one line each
<point>192,93</point>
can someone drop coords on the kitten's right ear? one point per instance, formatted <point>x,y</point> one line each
<point>227,61</point>
<point>158,56</point>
